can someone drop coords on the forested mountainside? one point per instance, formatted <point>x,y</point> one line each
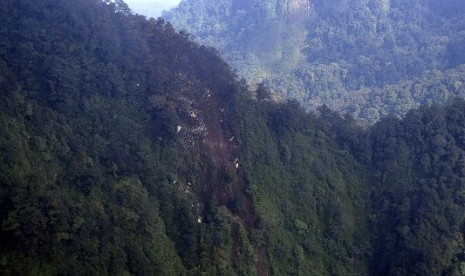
<point>128,149</point>
<point>369,58</point>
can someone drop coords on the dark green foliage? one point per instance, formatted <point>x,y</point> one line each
<point>335,199</point>
<point>309,191</point>
<point>420,184</point>
<point>88,142</point>
<point>127,149</point>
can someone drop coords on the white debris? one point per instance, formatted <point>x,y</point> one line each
<point>201,129</point>
<point>188,183</point>
<point>236,163</point>
<point>193,114</point>
<point>178,128</point>
<point>137,85</point>
<point>199,219</point>
<point>232,138</point>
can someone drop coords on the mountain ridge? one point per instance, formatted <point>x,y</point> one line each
<point>334,49</point>
<point>128,149</point>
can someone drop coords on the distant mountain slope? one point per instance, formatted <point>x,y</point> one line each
<point>127,149</point>
<point>325,52</point>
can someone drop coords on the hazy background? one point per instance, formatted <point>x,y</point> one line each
<point>151,8</point>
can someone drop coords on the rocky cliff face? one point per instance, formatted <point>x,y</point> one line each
<point>291,10</point>
<point>296,10</point>
<point>259,37</point>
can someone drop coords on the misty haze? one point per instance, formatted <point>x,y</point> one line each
<point>232,137</point>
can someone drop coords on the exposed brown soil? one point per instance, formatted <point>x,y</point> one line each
<point>263,267</point>
<point>220,145</point>
<point>216,146</point>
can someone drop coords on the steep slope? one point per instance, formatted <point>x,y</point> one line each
<point>310,192</point>
<point>127,149</point>
<point>96,177</point>
<point>353,56</point>
<point>119,142</point>
<point>418,197</point>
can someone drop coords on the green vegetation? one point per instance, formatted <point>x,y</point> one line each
<point>310,192</point>
<point>368,58</point>
<point>419,192</point>
<point>127,149</point>
<point>88,146</point>
<point>334,199</point>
